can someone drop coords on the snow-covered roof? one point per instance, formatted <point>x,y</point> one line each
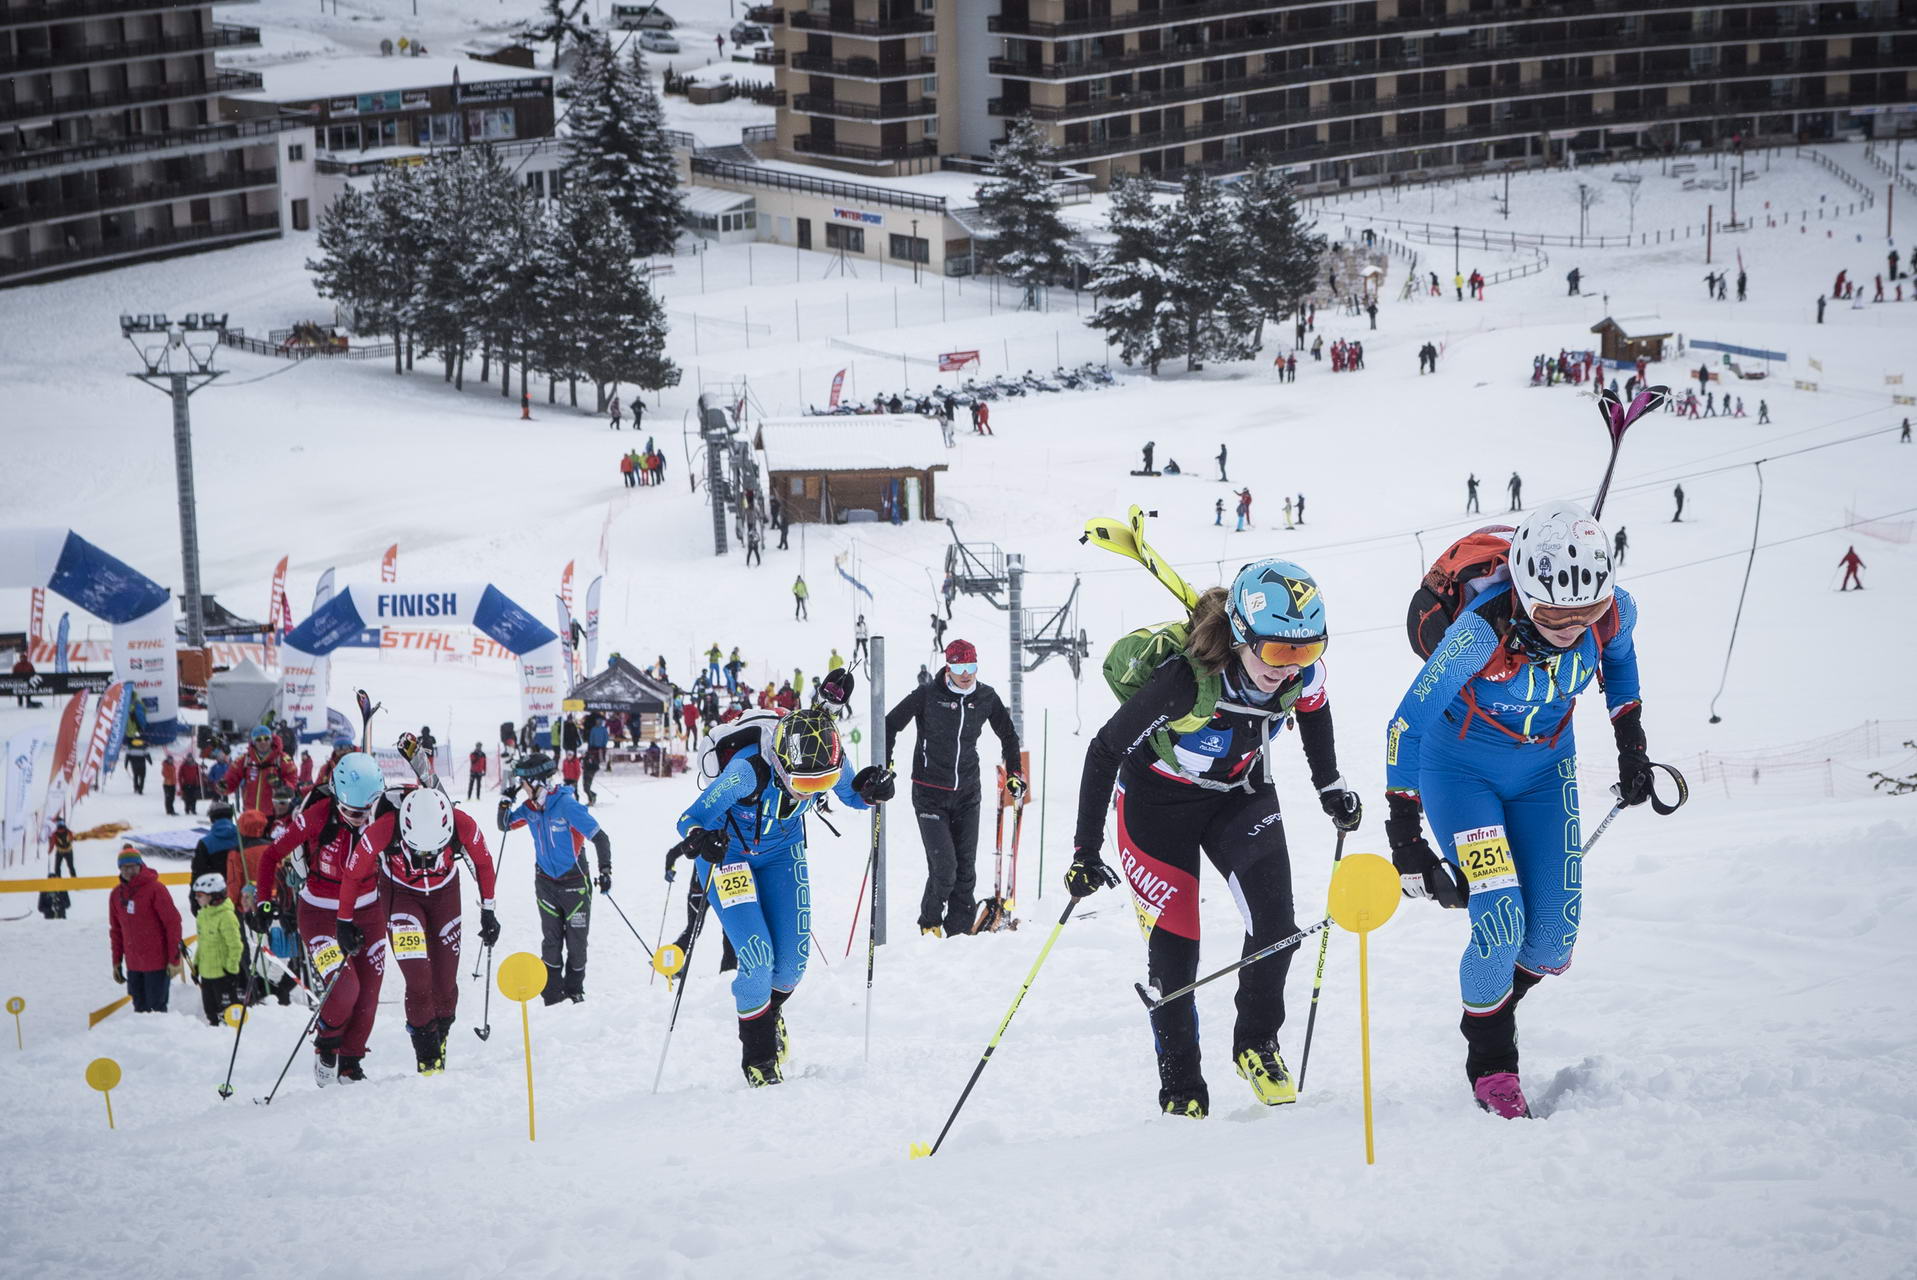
<point>855,442</point>
<point>715,200</point>
<point>314,78</point>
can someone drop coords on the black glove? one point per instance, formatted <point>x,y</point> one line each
<point>1088,874</point>
<point>710,845</point>
<point>1421,872</point>
<point>875,785</point>
<point>119,974</point>
<point>1016,786</point>
<point>605,879</point>
<point>1342,805</point>
<point>349,937</point>
<point>1633,765</point>
<point>488,927</point>
<point>837,687</point>
<point>262,917</point>
<point>505,807</point>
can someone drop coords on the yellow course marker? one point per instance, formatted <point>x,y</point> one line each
<point>522,975</point>
<point>103,1074</point>
<point>669,959</point>
<point>1364,894</point>
<point>15,1005</point>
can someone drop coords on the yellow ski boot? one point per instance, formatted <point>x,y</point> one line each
<point>1270,1078</point>
<point>932,931</point>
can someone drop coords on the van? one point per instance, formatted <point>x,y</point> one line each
<point>643,16</point>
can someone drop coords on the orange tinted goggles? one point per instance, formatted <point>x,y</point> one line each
<point>1288,653</point>
<point>1561,617</point>
<point>812,784</point>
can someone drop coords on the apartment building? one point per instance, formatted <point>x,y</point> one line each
<point>111,146</point>
<point>1338,92</point>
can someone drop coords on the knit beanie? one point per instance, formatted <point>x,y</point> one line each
<point>129,857</point>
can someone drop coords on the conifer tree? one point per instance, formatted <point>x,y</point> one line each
<point>1031,244</point>
<point>1281,249</point>
<point>618,145</point>
<point>606,326</point>
<point>1132,283</point>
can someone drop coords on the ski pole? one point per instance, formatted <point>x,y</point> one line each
<point>685,972</point>
<point>665,909</point>
<point>871,929</point>
<point>1233,967</point>
<point>1658,805</point>
<point>246,999</point>
<point>485,1032</point>
<point>920,1149</point>
<point>311,1022</point>
<point>853,932</point>
<point>1318,983</point>
<point>497,864</point>
<point>622,915</point>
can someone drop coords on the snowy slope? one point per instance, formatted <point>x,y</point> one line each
<point>1729,1066</point>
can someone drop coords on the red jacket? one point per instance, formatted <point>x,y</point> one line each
<point>144,923</point>
<point>325,858</point>
<point>570,770</point>
<point>252,778</point>
<point>379,848</point>
<point>190,772</point>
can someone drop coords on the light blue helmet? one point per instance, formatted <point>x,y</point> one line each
<point>357,780</point>
<point>1275,600</point>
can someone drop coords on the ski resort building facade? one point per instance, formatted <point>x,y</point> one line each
<point>1338,92</point>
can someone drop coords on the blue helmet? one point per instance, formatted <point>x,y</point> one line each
<point>357,780</point>
<point>1275,600</point>
<point>260,732</point>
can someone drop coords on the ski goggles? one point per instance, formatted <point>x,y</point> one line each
<point>1287,653</point>
<point>355,814</point>
<point>1553,617</point>
<point>812,784</point>
<point>962,668</point>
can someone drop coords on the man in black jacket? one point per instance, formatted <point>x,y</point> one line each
<point>950,710</point>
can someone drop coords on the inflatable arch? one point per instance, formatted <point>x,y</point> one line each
<point>145,649</point>
<point>305,667</point>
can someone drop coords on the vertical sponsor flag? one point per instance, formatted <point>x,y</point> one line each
<point>324,591</point>
<point>23,751</point>
<point>592,625</point>
<point>60,644</point>
<point>276,619</point>
<point>117,738</point>
<point>605,541</point>
<point>65,749</point>
<point>838,385</point>
<point>103,721</point>
<point>565,585</point>
<point>565,641</point>
<point>39,619</point>
<point>389,564</point>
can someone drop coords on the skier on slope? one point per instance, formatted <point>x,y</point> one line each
<point>747,830</point>
<point>560,827</point>
<point>1185,752</point>
<point>1482,743</point>
<point>409,856</point>
<point>317,840</point>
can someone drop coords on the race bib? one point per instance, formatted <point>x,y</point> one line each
<point>734,884</point>
<point>409,944</point>
<point>328,958</point>
<point>1485,856</point>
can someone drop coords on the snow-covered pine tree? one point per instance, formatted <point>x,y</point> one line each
<point>464,207</point>
<point>1131,282</point>
<point>350,266</point>
<point>618,145</point>
<point>1204,257</point>
<point>606,326</point>
<point>515,270</point>
<point>1281,249</point>
<point>1031,244</point>
<point>397,195</point>
<point>559,22</point>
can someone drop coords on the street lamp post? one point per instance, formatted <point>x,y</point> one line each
<point>915,251</point>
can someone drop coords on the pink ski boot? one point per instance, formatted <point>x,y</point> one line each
<point>1502,1095</point>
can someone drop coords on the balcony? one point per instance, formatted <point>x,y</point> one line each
<point>1168,16</point>
<point>151,240</point>
<point>1194,51</point>
<point>912,24</point>
<point>766,15</point>
<point>137,96</point>
<point>864,68</point>
<point>217,37</point>
<point>154,146</point>
<point>31,15</point>
<point>766,56</point>
<point>884,154</point>
<point>838,108</point>
<point>145,193</point>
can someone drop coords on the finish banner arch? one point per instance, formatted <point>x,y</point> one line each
<point>305,669</point>
<point>140,610</point>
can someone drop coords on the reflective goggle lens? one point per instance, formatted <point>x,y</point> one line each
<point>355,814</point>
<point>811,784</point>
<point>1287,653</point>
<point>1559,617</point>
<point>962,668</point>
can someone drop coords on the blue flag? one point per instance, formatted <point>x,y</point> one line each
<point>60,645</point>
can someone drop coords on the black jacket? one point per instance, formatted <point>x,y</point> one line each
<point>949,725</point>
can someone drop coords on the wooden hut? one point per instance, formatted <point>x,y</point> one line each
<point>853,468</point>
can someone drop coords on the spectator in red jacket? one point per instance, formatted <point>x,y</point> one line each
<point>251,777</point>
<point>306,772</point>
<point>144,926</point>
<point>190,782</point>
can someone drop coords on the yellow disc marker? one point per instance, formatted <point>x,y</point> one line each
<point>522,975</point>
<point>235,1014</point>
<point>1364,893</point>
<point>15,1006</point>
<point>103,1074</point>
<point>669,959</point>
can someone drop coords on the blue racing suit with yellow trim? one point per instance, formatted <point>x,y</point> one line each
<point>1484,738</point>
<point>760,887</point>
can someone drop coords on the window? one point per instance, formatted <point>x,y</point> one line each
<point>296,152</point>
<point>911,249</point>
<point>929,46</point>
<point>929,86</point>
<point>536,183</point>
<point>439,129</point>
<point>342,137</point>
<point>301,217</point>
<point>556,183</point>
<point>850,239</point>
<point>491,124</point>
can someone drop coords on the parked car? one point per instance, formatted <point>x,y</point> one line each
<point>646,17</point>
<point>749,33</point>
<point>658,41</point>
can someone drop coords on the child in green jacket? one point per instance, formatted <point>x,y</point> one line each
<point>222,955</point>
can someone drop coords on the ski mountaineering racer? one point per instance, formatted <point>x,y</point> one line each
<point>560,826</point>
<point>747,829</point>
<point>1190,753</point>
<point>409,855</point>
<point>1482,745</point>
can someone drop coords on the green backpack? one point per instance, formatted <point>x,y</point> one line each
<point>1133,659</point>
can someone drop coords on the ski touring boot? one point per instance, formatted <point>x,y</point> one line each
<point>349,1070</point>
<point>1181,1088</point>
<point>931,931</point>
<point>1265,1069</point>
<point>326,1060</point>
<point>1192,1106</point>
<point>445,1028</point>
<point>1501,1095</point>
<point>783,1038</point>
<point>759,1048</point>
<point>429,1051</point>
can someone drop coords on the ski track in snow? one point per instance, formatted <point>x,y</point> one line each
<point>1729,1069</point>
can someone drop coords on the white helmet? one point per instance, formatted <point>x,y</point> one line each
<point>1560,557</point>
<point>426,820</point>
<point>210,882</point>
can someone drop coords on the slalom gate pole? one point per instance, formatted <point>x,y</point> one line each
<point>871,929</point>
<point>311,1022</point>
<point>1318,982</point>
<point>984,1058</point>
<point>685,974</point>
<point>1231,968</point>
